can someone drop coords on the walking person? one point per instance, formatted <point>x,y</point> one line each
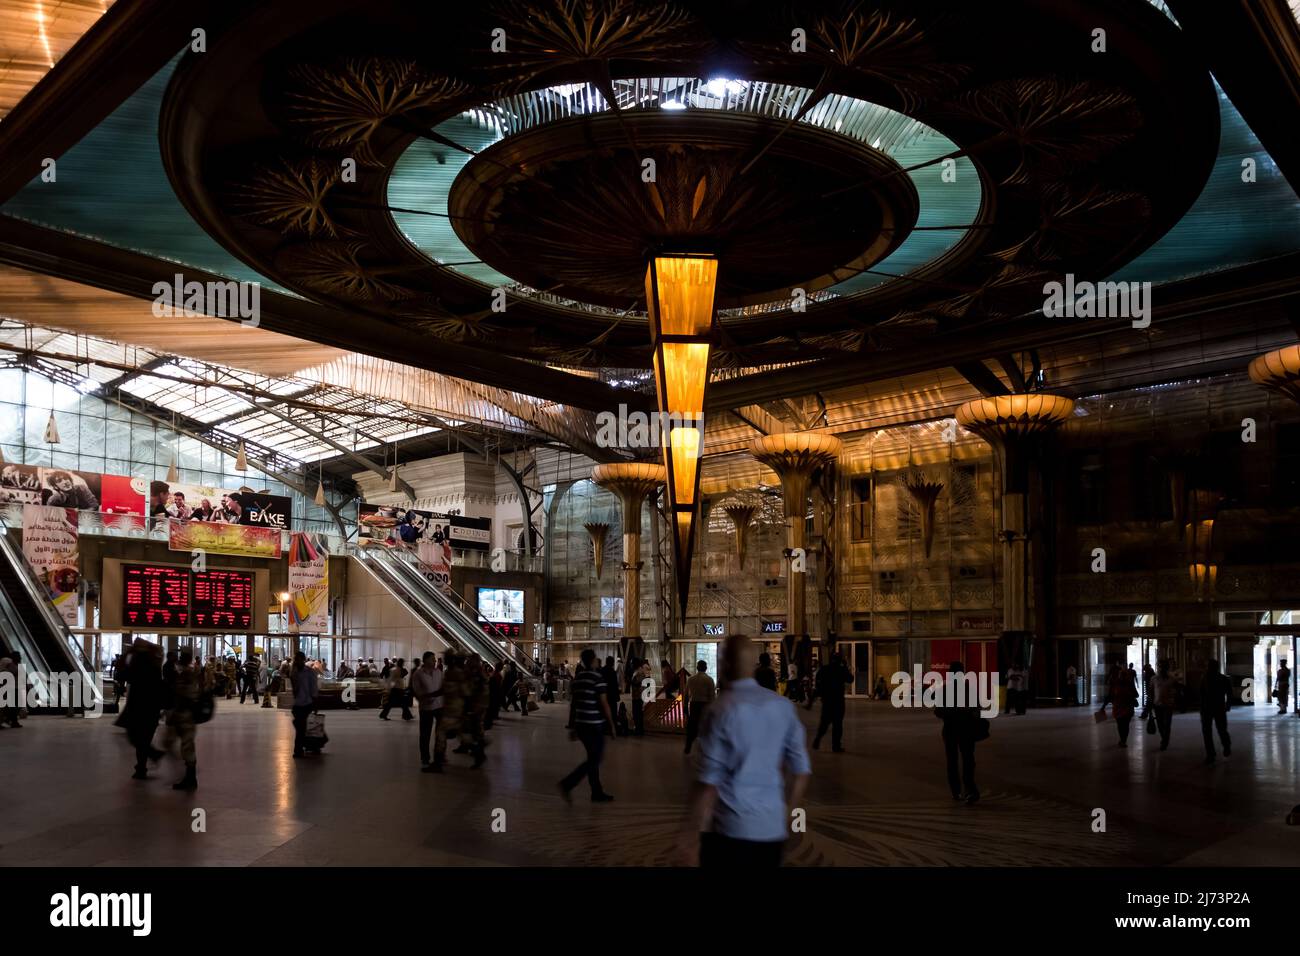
<point>426,684</point>
<point>453,706</point>
<point>831,683</point>
<point>496,695</point>
<point>10,663</point>
<point>476,692</point>
<point>1166,697</point>
<point>144,702</point>
<point>186,690</point>
<point>1072,685</point>
<point>961,730</point>
<point>1016,689</point>
<point>700,691</point>
<point>1148,687</point>
<point>752,769</point>
<point>119,677</point>
<point>397,692</point>
<point>303,681</point>
<point>1123,697</point>
<point>610,674</point>
<point>591,715</point>
<point>232,676</point>
<point>252,674</point>
<point>642,681</point>
<point>764,675</point>
<point>1216,701</point>
<point>1283,687</point>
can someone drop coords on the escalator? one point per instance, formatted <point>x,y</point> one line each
<point>30,624</point>
<point>446,613</point>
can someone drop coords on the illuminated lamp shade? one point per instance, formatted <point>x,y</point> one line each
<point>1278,370</point>
<point>679,299</point>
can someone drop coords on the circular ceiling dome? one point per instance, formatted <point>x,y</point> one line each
<point>573,209</point>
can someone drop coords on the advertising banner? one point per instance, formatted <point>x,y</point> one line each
<point>393,524</point>
<point>50,546</point>
<point>243,541</point>
<point>309,586</point>
<point>436,558</point>
<point>64,488</point>
<point>219,505</point>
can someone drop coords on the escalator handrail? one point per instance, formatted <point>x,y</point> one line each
<point>18,636</point>
<point>472,613</point>
<point>422,607</point>
<point>461,606</point>
<point>36,591</point>
<point>418,586</point>
<point>418,595</point>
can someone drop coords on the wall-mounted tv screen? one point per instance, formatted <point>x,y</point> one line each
<point>501,605</point>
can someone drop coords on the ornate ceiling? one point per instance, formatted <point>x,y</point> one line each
<point>821,169</point>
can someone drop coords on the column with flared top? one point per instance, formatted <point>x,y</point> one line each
<point>796,457</point>
<point>631,482</point>
<point>1013,425</point>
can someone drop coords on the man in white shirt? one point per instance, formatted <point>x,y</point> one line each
<point>753,769</point>
<point>426,684</point>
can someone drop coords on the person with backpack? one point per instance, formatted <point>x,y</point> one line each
<point>252,674</point>
<point>187,691</point>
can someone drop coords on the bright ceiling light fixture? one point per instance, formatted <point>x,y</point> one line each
<point>672,105</point>
<point>679,299</point>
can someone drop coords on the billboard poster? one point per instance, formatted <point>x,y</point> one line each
<point>244,541</point>
<point>65,488</point>
<point>50,547</point>
<point>309,586</point>
<point>219,505</point>
<point>435,556</point>
<point>396,524</point>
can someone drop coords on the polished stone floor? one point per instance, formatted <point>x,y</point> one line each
<point>66,797</point>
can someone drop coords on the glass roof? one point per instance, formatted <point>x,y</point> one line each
<point>229,398</point>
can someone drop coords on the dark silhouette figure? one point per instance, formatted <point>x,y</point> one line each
<point>144,701</point>
<point>764,674</point>
<point>961,727</point>
<point>1123,696</point>
<point>1216,701</point>
<point>831,683</point>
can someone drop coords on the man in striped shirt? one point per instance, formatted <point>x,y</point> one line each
<point>591,714</point>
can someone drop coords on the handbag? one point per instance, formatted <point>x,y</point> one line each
<point>1100,715</point>
<point>204,707</point>
<point>1151,724</point>
<point>315,725</point>
<point>982,730</point>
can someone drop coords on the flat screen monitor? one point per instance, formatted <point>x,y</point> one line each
<point>501,605</point>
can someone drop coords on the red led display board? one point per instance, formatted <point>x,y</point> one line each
<point>222,601</point>
<point>169,597</point>
<point>155,596</point>
<point>509,630</point>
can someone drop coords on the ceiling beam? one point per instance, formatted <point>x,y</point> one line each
<point>1011,368</point>
<point>1245,294</point>
<point>130,43</point>
<point>66,256</point>
<point>368,463</point>
<point>982,377</point>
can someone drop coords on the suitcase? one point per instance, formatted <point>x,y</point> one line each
<point>315,738</point>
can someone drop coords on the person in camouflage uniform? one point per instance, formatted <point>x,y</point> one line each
<point>453,707</point>
<point>188,687</point>
<point>477,699</point>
